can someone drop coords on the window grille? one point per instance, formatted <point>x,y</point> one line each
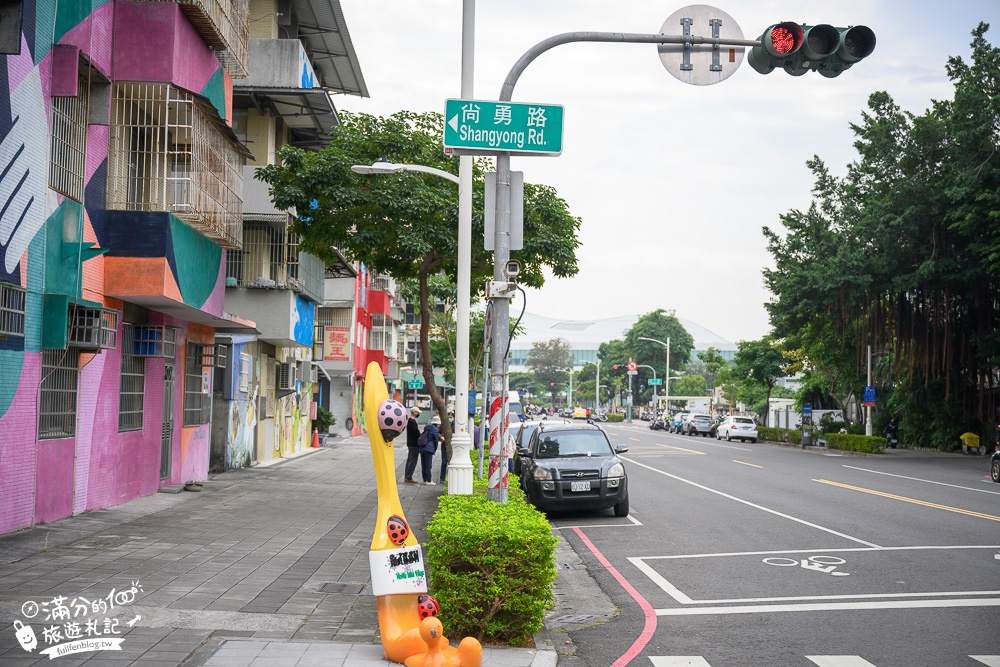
<point>380,282</point>
<point>168,153</point>
<point>57,397</point>
<point>150,340</point>
<point>333,317</point>
<point>224,24</point>
<point>92,328</point>
<point>12,302</point>
<point>245,372</point>
<point>133,384</point>
<point>67,163</point>
<point>197,383</point>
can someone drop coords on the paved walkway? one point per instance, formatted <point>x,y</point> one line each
<point>264,567</point>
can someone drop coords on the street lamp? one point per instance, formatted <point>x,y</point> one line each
<point>667,378</point>
<point>459,466</point>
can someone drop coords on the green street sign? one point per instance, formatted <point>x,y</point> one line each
<point>483,127</point>
<point>655,381</point>
<point>416,384</point>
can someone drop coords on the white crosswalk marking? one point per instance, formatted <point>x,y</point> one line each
<point>679,661</point>
<point>839,661</point>
<point>988,660</point>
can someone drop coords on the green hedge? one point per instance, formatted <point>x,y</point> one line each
<point>869,444</point>
<point>790,435</point>
<point>491,566</point>
<point>613,417</point>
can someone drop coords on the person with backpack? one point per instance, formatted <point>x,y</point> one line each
<point>427,444</point>
<point>412,452</point>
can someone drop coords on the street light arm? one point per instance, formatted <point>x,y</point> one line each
<point>381,167</point>
<point>507,91</point>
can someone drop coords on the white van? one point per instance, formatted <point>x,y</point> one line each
<point>514,407</point>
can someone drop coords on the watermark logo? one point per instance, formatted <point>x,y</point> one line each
<point>76,625</point>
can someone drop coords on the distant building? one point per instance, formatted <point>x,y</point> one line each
<point>584,337</point>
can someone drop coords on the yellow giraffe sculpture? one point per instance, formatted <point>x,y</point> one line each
<point>399,580</point>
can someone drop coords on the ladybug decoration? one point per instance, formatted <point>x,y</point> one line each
<point>427,606</point>
<point>398,529</point>
<point>391,419</point>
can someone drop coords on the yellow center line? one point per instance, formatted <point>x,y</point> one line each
<point>680,449</point>
<point>744,463</point>
<point>911,500</point>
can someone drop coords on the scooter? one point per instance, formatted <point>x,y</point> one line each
<point>891,437</point>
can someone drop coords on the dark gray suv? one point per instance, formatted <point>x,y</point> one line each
<point>573,466</point>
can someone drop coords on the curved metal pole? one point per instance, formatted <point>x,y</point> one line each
<point>507,91</point>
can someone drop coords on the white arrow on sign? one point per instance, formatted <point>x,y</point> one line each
<point>453,122</point>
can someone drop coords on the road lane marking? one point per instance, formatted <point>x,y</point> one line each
<point>636,439</point>
<point>957,510</point>
<point>640,563</point>
<point>633,522</point>
<point>917,479</point>
<point>754,505</point>
<point>679,661</point>
<point>649,626</point>
<point>839,661</point>
<point>744,463</point>
<point>831,606</point>
<point>679,449</point>
<point>988,660</point>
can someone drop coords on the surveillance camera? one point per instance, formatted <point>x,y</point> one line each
<point>512,269</point>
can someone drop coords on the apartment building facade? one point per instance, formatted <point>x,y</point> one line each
<point>123,165</point>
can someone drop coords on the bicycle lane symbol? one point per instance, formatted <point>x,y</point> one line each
<point>824,564</point>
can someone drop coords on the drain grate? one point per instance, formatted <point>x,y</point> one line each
<point>345,589</point>
<point>571,619</point>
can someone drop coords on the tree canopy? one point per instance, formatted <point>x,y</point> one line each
<point>551,361</point>
<point>902,254</point>
<point>406,224</point>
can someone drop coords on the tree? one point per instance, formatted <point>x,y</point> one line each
<point>690,385</point>
<point>902,254</point>
<point>760,363</point>
<point>552,362</point>
<point>406,224</point>
<point>659,325</point>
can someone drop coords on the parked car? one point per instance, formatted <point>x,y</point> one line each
<point>677,422</point>
<point>573,466</point>
<point>697,424</point>
<point>737,428</point>
<point>522,433</point>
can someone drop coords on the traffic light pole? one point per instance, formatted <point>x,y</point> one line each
<point>501,238</point>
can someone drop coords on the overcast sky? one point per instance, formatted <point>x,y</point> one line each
<point>673,182</point>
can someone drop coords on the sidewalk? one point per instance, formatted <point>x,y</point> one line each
<point>264,567</point>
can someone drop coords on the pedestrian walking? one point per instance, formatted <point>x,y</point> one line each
<point>412,452</point>
<point>428,448</point>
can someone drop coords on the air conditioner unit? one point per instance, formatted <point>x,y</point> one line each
<point>287,375</point>
<point>92,328</point>
<point>151,340</point>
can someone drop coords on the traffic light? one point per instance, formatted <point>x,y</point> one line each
<point>800,48</point>
<point>615,366</point>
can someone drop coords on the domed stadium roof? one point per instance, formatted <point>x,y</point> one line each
<point>589,334</point>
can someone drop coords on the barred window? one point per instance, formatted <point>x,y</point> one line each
<point>197,384</point>
<point>245,372</point>
<point>169,151</point>
<point>57,399</point>
<point>67,162</point>
<point>133,385</point>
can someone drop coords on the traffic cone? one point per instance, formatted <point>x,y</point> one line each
<point>315,438</point>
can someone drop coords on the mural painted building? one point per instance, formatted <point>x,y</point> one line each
<point>300,52</point>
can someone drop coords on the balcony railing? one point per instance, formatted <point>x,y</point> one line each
<point>270,259</point>
<point>167,153</point>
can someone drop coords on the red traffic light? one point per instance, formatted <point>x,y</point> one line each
<point>552,384</point>
<point>615,366</point>
<point>784,39</point>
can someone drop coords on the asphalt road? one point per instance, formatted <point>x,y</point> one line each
<point>740,555</point>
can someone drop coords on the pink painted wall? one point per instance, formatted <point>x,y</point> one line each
<point>54,480</point>
<point>154,41</point>
<point>93,35</point>
<point>18,452</point>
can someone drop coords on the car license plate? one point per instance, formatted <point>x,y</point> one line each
<point>579,486</point>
